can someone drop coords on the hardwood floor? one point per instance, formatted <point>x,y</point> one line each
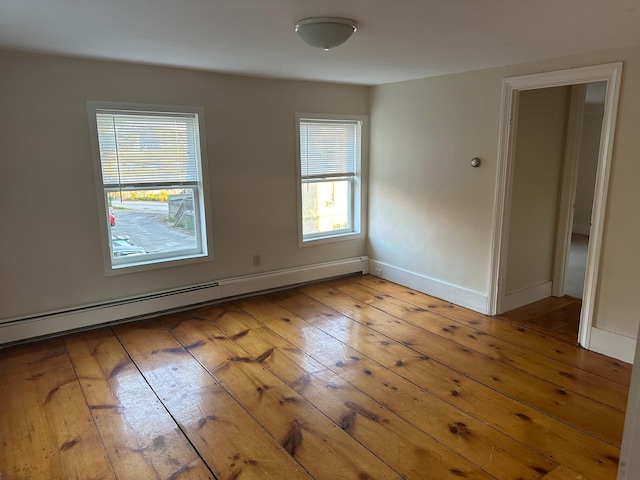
<point>558,317</point>
<point>352,378</point>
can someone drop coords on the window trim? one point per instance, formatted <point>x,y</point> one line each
<point>205,241</point>
<point>358,200</point>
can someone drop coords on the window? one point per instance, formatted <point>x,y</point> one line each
<point>331,177</point>
<point>149,173</point>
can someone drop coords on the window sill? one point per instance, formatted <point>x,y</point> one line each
<point>330,239</point>
<point>143,266</point>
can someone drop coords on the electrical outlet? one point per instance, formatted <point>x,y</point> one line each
<point>377,272</point>
<point>256,261</point>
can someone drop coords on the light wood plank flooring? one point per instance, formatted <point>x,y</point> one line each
<point>355,378</point>
<point>558,317</point>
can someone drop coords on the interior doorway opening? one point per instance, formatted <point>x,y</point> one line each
<point>578,188</point>
<point>511,229</point>
<point>562,125</point>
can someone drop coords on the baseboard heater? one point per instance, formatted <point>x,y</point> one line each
<point>51,323</point>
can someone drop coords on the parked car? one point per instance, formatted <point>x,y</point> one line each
<point>112,219</point>
<point>122,246</point>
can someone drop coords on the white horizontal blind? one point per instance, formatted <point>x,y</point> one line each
<point>328,148</point>
<point>143,149</point>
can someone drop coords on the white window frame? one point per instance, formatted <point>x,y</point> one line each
<point>203,250</point>
<point>358,184</point>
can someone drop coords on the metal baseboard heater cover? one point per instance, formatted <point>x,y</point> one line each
<point>57,322</point>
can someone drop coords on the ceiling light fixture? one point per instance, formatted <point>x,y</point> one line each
<point>325,32</point>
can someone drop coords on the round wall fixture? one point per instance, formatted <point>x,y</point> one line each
<point>475,162</point>
<point>325,32</point>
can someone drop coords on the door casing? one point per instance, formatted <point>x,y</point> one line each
<point>511,88</point>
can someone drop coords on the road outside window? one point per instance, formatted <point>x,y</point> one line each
<point>152,222</point>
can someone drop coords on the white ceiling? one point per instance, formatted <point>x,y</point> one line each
<point>396,39</point>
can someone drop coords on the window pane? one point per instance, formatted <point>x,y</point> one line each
<point>151,178</point>
<point>328,148</point>
<point>148,222</point>
<point>326,207</point>
<point>145,149</point>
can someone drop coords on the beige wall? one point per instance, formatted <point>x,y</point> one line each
<point>431,213</point>
<point>540,140</point>
<point>50,244</point>
<point>589,151</point>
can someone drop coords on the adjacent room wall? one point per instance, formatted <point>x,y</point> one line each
<point>51,256</point>
<point>539,143</point>
<point>589,150</point>
<point>431,212</point>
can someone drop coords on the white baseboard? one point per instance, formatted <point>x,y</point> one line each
<point>50,323</point>
<point>612,344</point>
<point>581,229</point>
<point>525,296</point>
<point>451,293</point>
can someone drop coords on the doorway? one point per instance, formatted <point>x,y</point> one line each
<point>589,136</point>
<point>507,199</point>
<point>575,209</point>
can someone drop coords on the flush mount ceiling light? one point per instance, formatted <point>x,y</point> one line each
<point>325,32</point>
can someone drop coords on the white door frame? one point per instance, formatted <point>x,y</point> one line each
<point>511,88</point>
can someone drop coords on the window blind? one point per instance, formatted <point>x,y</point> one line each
<point>146,149</point>
<point>328,149</point>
